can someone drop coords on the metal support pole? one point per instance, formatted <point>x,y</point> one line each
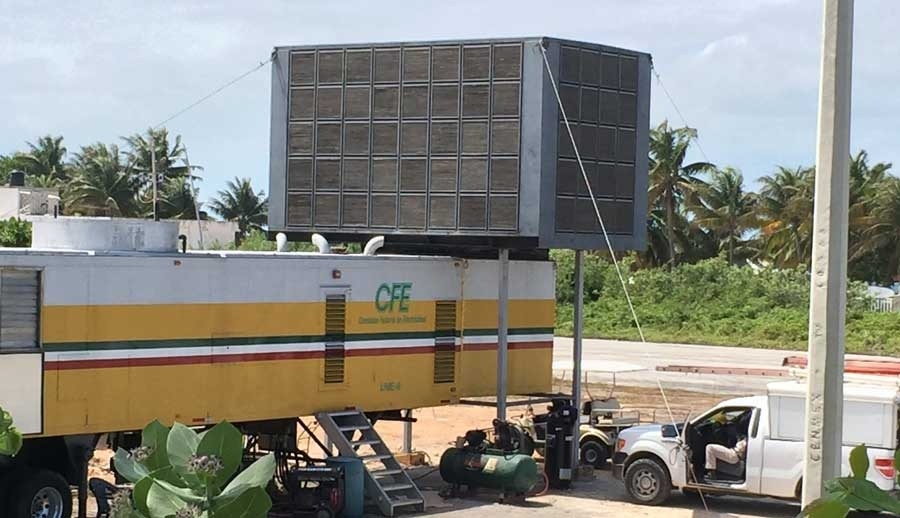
<point>407,432</point>
<point>576,357</point>
<point>190,175</point>
<point>155,179</point>
<point>824,399</point>
<point>502,328</point>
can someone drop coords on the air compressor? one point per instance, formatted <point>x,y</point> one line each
<point>505,464</point>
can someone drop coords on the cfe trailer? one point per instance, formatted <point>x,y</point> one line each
<point>106,326</point>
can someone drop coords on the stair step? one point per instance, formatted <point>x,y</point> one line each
<point>386,472</point>
<point>344,413</point>
<point>343,429</point>
<point>396,487</point>
<point>364,458</point>
<point>387,483</point>
<point>368,442</point>
<point>397,502</point>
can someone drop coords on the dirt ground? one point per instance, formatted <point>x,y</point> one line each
<point>437,428</point>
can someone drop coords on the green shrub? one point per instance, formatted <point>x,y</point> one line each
<point>15,232</point>
<point>712,302</point>
<point>178,472</point>
<point>10,438</point>
<point>854,492</point>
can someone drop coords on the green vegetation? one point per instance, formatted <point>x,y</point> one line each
<point>712,302</point>
<point>241,204</point>
<point>178,472</point>
<point>15,232</point>
<point>698,211</point>
<point>726,265</point>
<point>855,492</point>
<point>104,180</point>
<point>10,438</point>
<point>257,241</point>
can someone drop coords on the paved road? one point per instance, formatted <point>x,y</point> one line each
<point>651,355</point>
<point>600,497</point>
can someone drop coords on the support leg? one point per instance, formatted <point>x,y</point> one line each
<point>576,357</point>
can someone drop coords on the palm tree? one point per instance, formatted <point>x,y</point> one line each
<point>865,184</point>
<point>140,157</point>
<point>672,183</point>
<point>239,203</point>
<point>177,199</point>
<point>44,161</point>
<point>103,185</point>
<point>785,207</point>
<point>726,209</point>
<point>880,235</point>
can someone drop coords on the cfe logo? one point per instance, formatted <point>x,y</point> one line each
<point>391,296</point>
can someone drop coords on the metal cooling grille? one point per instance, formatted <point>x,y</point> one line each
<point>19,309</point>
<point>445,341</point>
<point>426,137</point>
<point>599,95</point>
<point>335,326</point>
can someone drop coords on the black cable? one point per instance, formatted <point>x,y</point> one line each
<point>214,92</point>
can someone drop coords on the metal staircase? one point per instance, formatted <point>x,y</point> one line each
<point>387,483</point>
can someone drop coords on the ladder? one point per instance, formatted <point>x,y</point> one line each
<point>386,482</point>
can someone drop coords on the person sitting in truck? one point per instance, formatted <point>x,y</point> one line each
<point>717,452</point>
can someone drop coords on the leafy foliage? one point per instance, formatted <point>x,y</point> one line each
<point>238,202</point>
<point>854,492</point>
<point>178,472</point>
<point>256,241</point>
<point>15,233</point>
<point>673,184</point>
<point>711,302</point>
<point>10,438</point>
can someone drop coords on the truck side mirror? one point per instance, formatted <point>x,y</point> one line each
<point>669,431</point>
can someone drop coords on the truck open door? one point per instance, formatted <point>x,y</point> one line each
<point>673,437</point>
<point>754,457</point>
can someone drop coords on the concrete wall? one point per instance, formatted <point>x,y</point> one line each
<point>103,234</point>
<point>220,233</point>
<point>17,202</point>
<point>9,202</point>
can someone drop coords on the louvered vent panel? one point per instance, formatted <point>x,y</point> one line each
<point>19,309</point>
<point>335,325</point>
<point>445,341</point>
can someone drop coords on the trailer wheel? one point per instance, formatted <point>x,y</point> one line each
<point>647,482</point>
<point>594,453</point>
<point>41,494</point>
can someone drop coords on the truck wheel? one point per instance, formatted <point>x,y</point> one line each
<point>647,482</point>
<point>594,453</point>
<point>41,494</point>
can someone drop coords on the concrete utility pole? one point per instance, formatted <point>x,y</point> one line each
<point>155,178</point>
<point>502,331</point>
<point>825,398</point>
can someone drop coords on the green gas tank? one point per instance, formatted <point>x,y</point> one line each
<point>495,469</point>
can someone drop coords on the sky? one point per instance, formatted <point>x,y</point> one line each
<point>743,72</point>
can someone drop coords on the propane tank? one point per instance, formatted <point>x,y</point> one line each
<point>509,472</point>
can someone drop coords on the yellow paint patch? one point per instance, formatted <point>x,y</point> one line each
<point>127,398</point>
<point>482,314</point>
<point>68,324</point>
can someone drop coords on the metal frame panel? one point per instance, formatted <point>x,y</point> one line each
<point>536,212</point>
<point>278,134</point>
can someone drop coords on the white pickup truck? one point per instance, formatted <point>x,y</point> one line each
<point>653,460</point>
